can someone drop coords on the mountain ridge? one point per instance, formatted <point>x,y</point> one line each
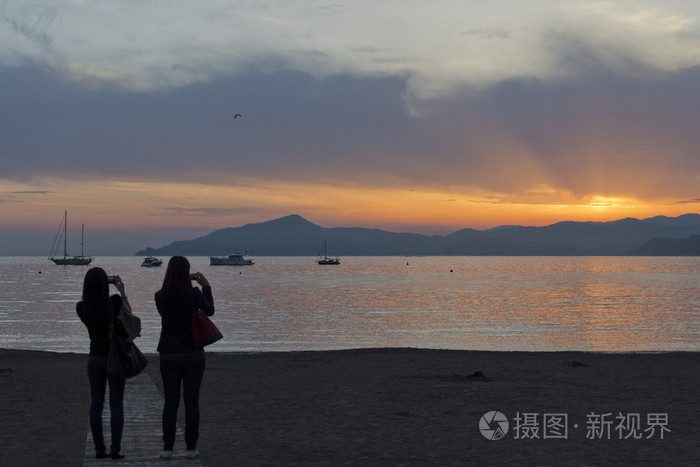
<point>669,247</point>
<point>293,235</point>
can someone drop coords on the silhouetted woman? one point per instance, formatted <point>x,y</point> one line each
<point>181,364</point>
<point>93,310</point>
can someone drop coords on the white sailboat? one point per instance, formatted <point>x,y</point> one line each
<point>67,260</point>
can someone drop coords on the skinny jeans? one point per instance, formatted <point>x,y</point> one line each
<point>185,374</point>
<point>97,375</point>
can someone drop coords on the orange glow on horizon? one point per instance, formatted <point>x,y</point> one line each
<point>123,206</point>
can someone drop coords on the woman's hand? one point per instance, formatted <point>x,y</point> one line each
<point>119,285</point>
<point>201,280</point>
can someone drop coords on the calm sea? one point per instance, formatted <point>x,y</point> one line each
<point>480,303</point>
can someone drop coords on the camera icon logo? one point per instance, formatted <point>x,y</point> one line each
<point>493,425</point>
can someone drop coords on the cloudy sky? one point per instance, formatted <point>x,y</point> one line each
<point>404,115</point>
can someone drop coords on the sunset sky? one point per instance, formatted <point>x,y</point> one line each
<point>404,115</point>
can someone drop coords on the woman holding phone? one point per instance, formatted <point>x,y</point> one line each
<point>93,310</point>
<point>181,363</point>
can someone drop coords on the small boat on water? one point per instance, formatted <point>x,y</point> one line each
<point>325,259</point>
<point>66,260</point>
<point>151,262</point>
<point>230,260</point>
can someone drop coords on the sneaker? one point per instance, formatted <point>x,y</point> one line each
<point>192,454</point>
<point>102,455</point>
<point>117,455</point>
<point>166,454</point>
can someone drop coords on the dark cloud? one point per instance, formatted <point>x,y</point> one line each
<point>10,196</point>
<point>605,133</point>
<point>293,125</point>
<point>602,133</point>
<point>209,211</point>
<point>33,192</point>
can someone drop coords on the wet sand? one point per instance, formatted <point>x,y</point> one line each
<point>386,407</point>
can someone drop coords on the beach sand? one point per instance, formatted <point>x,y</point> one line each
<point>384,407</point>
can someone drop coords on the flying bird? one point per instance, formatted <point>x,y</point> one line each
<point>236,116</point>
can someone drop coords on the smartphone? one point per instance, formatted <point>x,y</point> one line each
<point>111,279</point>
<point>194,276</point>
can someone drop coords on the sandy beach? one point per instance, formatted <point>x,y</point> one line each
<point>387,407</point>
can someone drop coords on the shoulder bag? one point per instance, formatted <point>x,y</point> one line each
<point>204,331</point>
<point>125,359</point>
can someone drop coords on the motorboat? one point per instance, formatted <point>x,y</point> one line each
<point>151,262</point>
<point>230,260</point>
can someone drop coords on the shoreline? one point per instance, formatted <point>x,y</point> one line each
<point>384,349</point>
<point>382,406</point>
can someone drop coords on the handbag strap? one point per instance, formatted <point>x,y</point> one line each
<point>110,316</point>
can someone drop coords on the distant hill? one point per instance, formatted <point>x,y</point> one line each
<point>295,236</point>
<point>669,247</point>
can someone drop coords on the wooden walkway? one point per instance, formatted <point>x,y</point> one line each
<point>142,439</point>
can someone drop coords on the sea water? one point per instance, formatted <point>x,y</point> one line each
<point>479,303</point>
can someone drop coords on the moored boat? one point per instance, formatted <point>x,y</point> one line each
<point>151,262</point>
<point>66,260</point>
<point>230,260</point>
<point>325,259</point>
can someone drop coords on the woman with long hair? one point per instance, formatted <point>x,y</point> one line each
<point>94,310</point>
<point>181,363</point>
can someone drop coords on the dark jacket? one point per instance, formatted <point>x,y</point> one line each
<point>97,324</point>
<point>176,340</point>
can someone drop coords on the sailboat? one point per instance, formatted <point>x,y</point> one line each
<point>66,260</point>
<point>325,259</point>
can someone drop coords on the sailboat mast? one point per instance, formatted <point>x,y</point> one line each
<point>65,234</point>
<point>82,236</point>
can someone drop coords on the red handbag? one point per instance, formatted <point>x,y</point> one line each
<point>204,331</point>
